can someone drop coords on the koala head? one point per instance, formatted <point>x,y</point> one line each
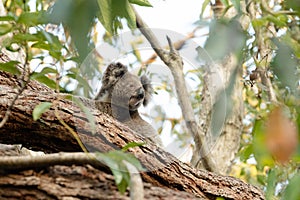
<point>124,89</point>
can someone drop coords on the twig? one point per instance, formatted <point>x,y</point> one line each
<point>23,86</point>
<point>173,60</point>
<point>29,162</point>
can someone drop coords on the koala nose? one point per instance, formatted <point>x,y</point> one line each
<point>140,93</point>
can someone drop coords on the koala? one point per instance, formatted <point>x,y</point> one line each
<point>125,93</point>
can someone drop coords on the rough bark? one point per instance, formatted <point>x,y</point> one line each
<point>48,135</point>
<point>75,182</point>
<point>224,148</point>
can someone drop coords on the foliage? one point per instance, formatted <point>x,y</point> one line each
<point>114,160</point>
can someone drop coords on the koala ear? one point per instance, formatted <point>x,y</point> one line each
<point>112,74</point>
<point>148,89</point>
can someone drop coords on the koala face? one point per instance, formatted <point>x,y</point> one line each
<point>128,92</point>
<point>124,89</point>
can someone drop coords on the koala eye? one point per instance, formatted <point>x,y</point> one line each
<point>140,93</point>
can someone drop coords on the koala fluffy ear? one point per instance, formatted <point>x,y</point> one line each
<point>113,73</point>
<point>148,89</point>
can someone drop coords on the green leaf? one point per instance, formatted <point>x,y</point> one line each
<point>204,5</point>
<point>258,23</point>
<point>33,18</point>
<point>7,18</point>
<point>271,182</point>
<point>294,4</point>
<point>5,28</point>
<point>225,3</point>
<point>105,15</point>
<point>82,82</point>
<point>245,152</point>
<point>40,109</point>
<point>79,16</point>
<point>122,186</point>
<point>41,45</point>
<point>45,70</point>
<point>21,37</point>
<point>113,160</point>
<point>260,152</point>
<point>131,145</point>
<point>284,66</point>
<point>224,38</point>
<point>141,2</point>
<point>87,112</point>
<point>237,5</point>
<point>292,190</point>
<point>10,67</point>
<point>111,11</point>
<point>43,79</point>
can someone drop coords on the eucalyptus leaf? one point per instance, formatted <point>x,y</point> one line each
<point>292,190</point>
<point>284,66</point>
<point>11,67</point>
<point>131,145</point>
<point>40,109</point>
<point>141,2</point>
<point>5,28</point>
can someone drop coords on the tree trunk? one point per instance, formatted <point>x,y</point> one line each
<point>49,135</point>
<point>73,182</point>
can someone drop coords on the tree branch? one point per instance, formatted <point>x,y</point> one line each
<point>47,134</point>
<point>175,63</point>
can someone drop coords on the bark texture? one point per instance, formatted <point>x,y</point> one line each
<point>49,135</point>
<point>75,182</point>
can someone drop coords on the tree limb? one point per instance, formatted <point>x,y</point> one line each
<point>47,134</point>
<point>175,63</point>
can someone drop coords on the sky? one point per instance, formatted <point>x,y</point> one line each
<point>176,15</point>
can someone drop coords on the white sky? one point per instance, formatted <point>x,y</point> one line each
<point>176,15</point>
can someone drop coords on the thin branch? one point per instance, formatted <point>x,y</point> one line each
<point>30,162</point>
<point>24,84</point>
<point>174,61</point>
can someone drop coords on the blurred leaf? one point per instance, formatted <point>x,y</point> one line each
<point>43,79</point>
<point>271,183</point>
<point>45,70</point>
<point>40,109</point>
<point>11,67</point>
<point>131,145</point>
<point>114,160</point>
<point>141,2</point>
<point>21,37</point>
<point>111,11</point>
<point>87,112</point>
<point>33,18</point>
<point>224,38</point>
<point>294,4</point>
<point>79,17</point>
<point>279,21</point>
<point>284,66</point>
<point>7,18</point>
<point>292,191</point>
<point>5,28</point>
<point>258,23</point>
<point>237,5</point>
<point>225,3</point>
<point>261,154</point>
<point>223,106</point>
<point>204,5</point>
<point>81,81</point>
<point>245,152</point>
<point>281,136</point>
